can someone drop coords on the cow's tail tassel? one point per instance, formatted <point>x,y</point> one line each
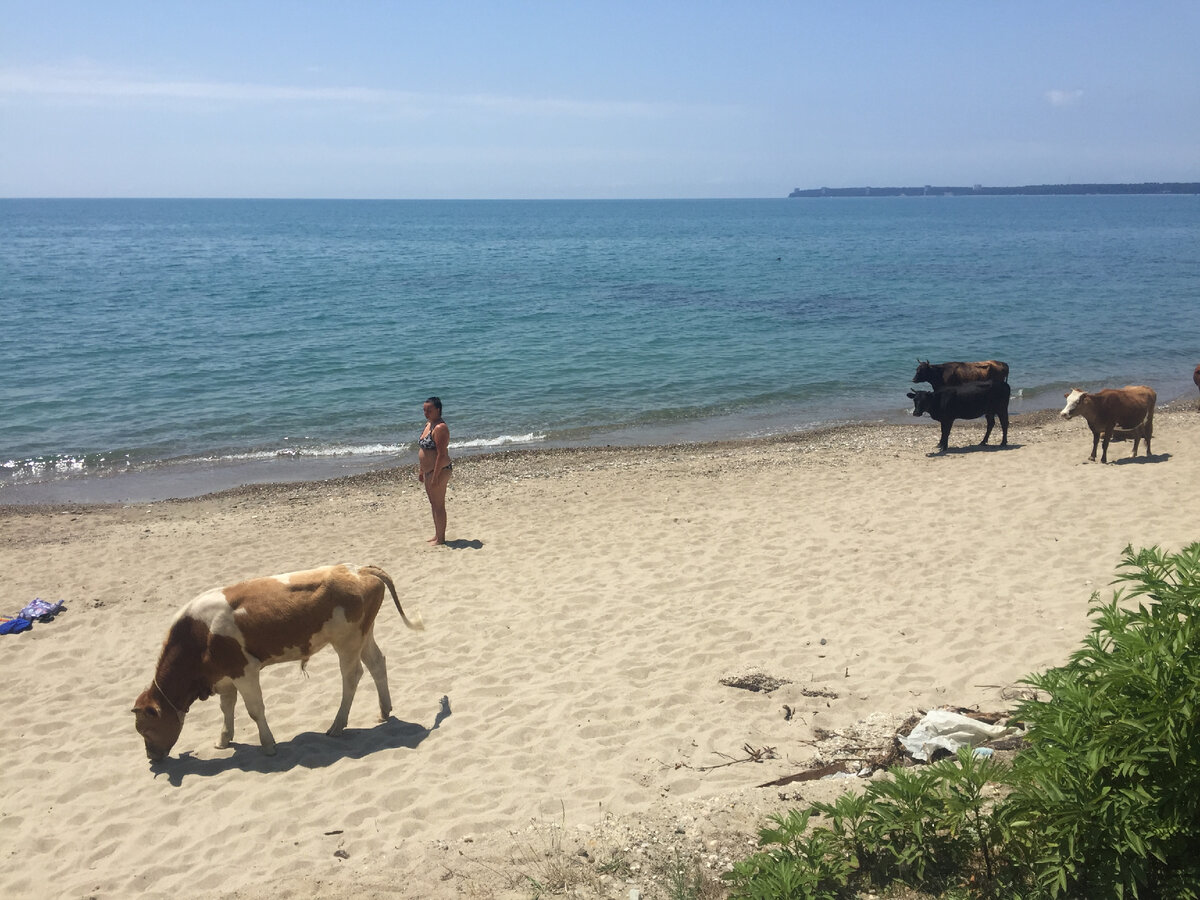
<point>414,622</point>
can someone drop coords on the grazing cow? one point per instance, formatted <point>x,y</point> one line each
<point>965,401</point>
<point>219,641</point>
<point>947,373</point>
<point>1122,413</point>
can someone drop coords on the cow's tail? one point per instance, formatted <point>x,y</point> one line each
<point>415,623</point>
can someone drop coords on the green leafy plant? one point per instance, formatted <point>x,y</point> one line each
<point>907,819</point>
<point>918,827</point>
<point>791,864</point>
<point>966,814</point>
<point>1106,800</point>
<point>846,822</point>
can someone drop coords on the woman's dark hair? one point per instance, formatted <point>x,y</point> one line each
<point>436,402</point>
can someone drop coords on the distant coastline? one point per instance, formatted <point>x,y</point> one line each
<point>931,190</point>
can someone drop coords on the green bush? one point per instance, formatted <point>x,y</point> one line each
<point>1106,799</point>
<point>919,827</point>
<point>792,864</point>
<point>905,826</point>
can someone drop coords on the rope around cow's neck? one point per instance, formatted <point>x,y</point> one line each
<point>168,699</point>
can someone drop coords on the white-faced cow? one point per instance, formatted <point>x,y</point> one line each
<point>1122,413</point>
<point>965,401</point>
<point>221,640</point>
<point>948,373</point>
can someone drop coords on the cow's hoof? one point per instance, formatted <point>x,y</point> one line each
<point>223,744</point>
<point>269,749</point>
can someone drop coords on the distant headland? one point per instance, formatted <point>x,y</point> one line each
<point>930,190</point>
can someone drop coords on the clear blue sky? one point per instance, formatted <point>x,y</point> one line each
<point>588,99</point>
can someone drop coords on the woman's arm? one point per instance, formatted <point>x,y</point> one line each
<point>441,438</point>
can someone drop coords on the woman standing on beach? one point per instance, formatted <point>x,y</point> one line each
<point>433,465</point>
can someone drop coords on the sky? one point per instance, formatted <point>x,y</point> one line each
<point>514,100</point>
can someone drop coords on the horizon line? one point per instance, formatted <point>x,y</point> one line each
<point>449,199</point>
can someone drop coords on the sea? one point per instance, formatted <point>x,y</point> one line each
<point>170,348</point>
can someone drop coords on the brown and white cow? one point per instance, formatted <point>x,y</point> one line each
<point>221,640</point>
<point>947,373</point>
<point>1126,412</point>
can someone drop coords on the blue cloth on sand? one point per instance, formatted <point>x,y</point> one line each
<point>15,626</point>
<point>37,611</point>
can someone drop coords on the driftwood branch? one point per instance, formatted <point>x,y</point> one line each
<point>753,754</point>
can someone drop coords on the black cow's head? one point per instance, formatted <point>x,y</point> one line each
<point>922,402</point>
<point>924,370</point>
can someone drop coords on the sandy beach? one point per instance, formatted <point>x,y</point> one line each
<point>566,697</point>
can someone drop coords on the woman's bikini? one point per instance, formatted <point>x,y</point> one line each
<point>426,442</point>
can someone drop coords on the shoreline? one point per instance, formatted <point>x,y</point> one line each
<point>188,478</point>
<point>465,462</point>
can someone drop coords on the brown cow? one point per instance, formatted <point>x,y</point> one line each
<point>221,640</point>
<point>1196,376</point>
<point>942,374</point>
<point>1124,413</point>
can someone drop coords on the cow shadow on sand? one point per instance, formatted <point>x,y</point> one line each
<point>1139,460</point>
<point>308,750</point>
<point>974,448</point>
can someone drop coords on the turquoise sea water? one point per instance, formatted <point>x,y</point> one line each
<point>159,347</point>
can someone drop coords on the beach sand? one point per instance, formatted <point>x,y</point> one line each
<point>566,697</point>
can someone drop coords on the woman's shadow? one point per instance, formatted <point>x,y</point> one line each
<point>464,544</point>
<point>308,750</point>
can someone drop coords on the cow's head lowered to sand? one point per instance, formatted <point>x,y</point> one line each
<point>220,641</point>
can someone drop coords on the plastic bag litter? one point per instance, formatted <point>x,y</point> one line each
<point>941,729</point>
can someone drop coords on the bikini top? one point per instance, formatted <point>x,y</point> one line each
<point>426,442</point>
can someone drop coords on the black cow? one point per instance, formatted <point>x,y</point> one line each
<point>942,374</point>
<point>965,401</point>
